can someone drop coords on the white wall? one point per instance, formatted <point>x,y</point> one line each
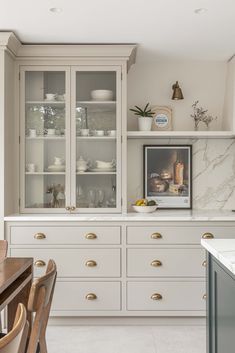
<point>199,80</point>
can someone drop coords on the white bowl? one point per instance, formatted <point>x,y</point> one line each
<point>102,95</point>
<point>144,209</point>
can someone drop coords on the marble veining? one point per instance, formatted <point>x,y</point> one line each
<point>223,250</point>
<point>213,171</point>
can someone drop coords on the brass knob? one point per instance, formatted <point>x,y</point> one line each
<point>73,208</point>
<point>204,263</point>
<point>40,236</point>
<point>156,296</point>
<point>204,296</point>
<point>156,236</point>
<point>68,208</point>
<point>39,263</point>
<point>91,263</point>
<point>91,296</point>
<point>91,236</point>
<point>156,263</point>
<point>207,236</point>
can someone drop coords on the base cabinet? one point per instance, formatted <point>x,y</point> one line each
<point>221,308</point>
<point>120,268</point>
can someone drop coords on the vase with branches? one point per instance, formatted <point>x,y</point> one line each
<point>201,115</point>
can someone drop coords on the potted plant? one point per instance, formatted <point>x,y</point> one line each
<point>145,117</point>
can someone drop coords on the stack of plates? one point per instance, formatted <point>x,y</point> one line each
<point>102,169</point>
<point>56,168</point>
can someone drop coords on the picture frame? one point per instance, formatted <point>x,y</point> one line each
<point>168,175</point>
<point>162,118</point>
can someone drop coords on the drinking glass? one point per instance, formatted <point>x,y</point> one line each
<point>91,198</point>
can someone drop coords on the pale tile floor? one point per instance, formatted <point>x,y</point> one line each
<point>126,339</point>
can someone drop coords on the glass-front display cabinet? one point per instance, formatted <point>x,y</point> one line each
<point>70,139</point>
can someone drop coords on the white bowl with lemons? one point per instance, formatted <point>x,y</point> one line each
<point>145,206</point>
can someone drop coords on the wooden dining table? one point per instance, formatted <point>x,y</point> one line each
<point>16,275</point>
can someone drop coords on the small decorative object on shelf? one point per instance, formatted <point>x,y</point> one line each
<point>58,196</point>
<point>200,115</point>
<point>162,118</point>
<point>168,175</point>
<point>145,117</point>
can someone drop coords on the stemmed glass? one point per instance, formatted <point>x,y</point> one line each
<point>91,198</point>
<point>100,197</point>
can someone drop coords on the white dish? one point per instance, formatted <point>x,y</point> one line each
<point>144,209</point>
<point>102,95</point>
<point>56,168</point>
<point>102,170</point>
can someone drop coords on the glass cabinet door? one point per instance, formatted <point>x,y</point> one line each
<point>44,110</point>
<point>96,129</point>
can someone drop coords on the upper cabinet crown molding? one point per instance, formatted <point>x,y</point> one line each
<point>8,40</point>
<point>126,52</point>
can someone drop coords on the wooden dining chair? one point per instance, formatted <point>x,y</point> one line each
<point>3,249</point>
<point>3,255</point>
<point>40,299</point>
<point>15,340</point>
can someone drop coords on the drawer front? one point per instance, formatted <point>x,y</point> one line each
<point>175,235</point>
<point>74,262</point>
<point>39,235</point>
<point>85,296</point>
<point>165,262</point>
<point>184,296</point>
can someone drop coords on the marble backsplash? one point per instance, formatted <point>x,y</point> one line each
<point>213,171</point>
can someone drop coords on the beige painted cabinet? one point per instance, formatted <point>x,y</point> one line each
<point>110,269</point>
<point>70,138</point>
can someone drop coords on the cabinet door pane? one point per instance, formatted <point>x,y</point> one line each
<point>45,142</point>
<point>97,140</point>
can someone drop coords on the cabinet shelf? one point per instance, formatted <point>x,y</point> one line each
<point>48,138</point>
<point>45,173</point>
<point>96,102</point>
<point>96,138</point>
<point>51,103</point>
<point>96,173</point>
<point>179,134</point>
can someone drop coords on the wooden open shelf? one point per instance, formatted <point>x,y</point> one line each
<point>180,134</point>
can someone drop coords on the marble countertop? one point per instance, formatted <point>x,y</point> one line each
<point>223,250</point>
<point>159,215</point>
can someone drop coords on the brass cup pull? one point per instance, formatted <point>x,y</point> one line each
<point>156,263</point>
<point>204,263</point>
<point>91,263</point>
<point>91,296</point>
<point>68,208</point>
<point>73,208</point>
<point>40,236</point>
<point>207,236</point>
<point>91,236</point>
<point>156,296</point>
<point>39,263</point>
<point>156,236</point>
<point>204,296</point>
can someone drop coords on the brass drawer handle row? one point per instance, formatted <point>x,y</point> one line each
<point>91,263</point>
<point>91,296</point>
<point>91,236</point>
<point>40,236</point>
<point>156,296</point>
<point>207,236</point>
<point>156,236</point>
<point>156,263</point>
<point>39,263</point>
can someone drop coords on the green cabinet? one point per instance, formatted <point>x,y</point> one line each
<point>220,308</point>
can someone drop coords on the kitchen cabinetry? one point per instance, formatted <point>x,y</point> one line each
<point>120,267</point>
<point>70,142</point>
<point>221,310</point>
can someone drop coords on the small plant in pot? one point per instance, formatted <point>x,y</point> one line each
<point>145,117</point>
